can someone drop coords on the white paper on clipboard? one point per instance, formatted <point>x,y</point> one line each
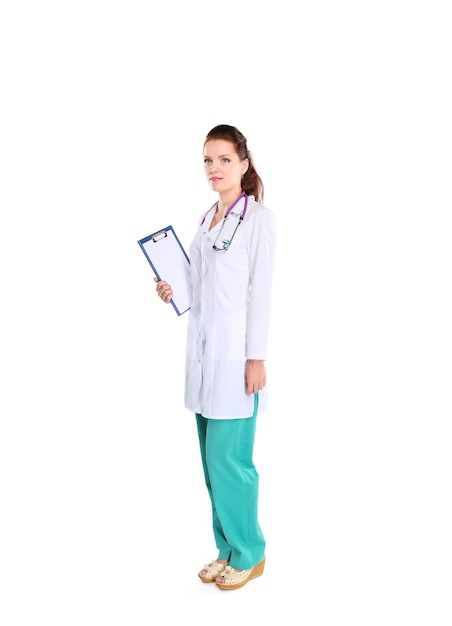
<point>170,262</point>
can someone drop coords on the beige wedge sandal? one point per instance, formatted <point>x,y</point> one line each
<point>234,579</point>
<point>211,570</point>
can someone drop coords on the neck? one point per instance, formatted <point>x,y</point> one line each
<point>225,200</point>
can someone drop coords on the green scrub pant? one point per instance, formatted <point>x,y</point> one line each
<point>233,483</point>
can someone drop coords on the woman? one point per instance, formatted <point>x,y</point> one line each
<point>231,260</point>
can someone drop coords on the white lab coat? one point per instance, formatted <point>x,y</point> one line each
<point>229,319</point>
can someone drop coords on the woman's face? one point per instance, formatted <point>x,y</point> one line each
<point>223,167</point>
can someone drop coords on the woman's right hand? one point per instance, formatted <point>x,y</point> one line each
<point>164,291</point>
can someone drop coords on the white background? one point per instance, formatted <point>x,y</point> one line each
<point>346,108</point>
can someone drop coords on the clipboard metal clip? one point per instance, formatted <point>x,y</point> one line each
<point>160,235</point>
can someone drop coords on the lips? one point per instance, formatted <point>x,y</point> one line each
<point>214,180</point>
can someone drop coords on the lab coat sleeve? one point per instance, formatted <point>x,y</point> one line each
<point>262,257</point>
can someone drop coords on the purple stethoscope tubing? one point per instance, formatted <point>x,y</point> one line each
<point>242,195</point>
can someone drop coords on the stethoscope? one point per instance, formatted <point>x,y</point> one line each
<point>227,242</point>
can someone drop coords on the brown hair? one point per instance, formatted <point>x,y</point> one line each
<point>251,181</point>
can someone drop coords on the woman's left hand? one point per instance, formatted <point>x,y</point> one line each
<point>255,376</point>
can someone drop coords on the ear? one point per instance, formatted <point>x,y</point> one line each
<point>245,166</point>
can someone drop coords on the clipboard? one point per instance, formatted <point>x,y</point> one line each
<point>170,262</point>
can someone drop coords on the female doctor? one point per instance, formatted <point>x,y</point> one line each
<point>231,260</point>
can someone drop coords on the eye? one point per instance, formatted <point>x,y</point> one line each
<point>225,160</point>
<point>207,161</point>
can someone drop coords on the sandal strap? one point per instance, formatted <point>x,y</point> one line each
<point>232,576</point>
<point>213,569</point>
